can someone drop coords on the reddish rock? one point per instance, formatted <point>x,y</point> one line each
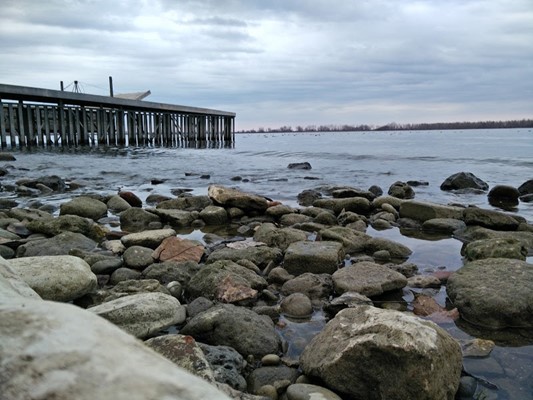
<point>425,306</point>
<point>176,249</point>
<point>131,198</point>
<point>229,291</point>
<point>442,275</point>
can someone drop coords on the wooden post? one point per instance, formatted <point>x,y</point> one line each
<point>46,135</point>
<point>62,124</point>
<point>39,127</point>
<point>3,138</point>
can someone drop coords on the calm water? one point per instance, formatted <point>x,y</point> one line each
<point>354,159</point>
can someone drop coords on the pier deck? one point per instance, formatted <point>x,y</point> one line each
<point>43,117</point>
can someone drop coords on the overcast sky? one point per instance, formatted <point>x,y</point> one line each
<point>284,62</point>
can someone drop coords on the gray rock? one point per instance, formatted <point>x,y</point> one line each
<point>187,203</point>
<point>227,365</point>
<point>346,300</point>
<point>138,257</point>
<point>345,192</point>
<point>61,244</point>
<point>214,215</point>
<point>237,327</point>
<point>526,187</point>
<point>293,219</point>
<point>312,285</point>
<point>495,248</point>
<point>137,220</point>
<point>275,237</point>
<point>6,252</point>
<point>142,314</point>
<point>184,352</point>
<point>179,218</point>
<point>269,376</point>
<point>308,197</point>
<point>423,211</point>
<point>28,214</point>
<point>306,391</point>
<point>495,292</point>
<point>299,165</point>
<point>123,274</point>
<point>443,225</point>
<point>352,241</point>
<point>67,223</point>
<point>490,219</point>
<point>396,250</point>
<point>358,205</point>
<point>54,182</point>
<point>151,238</point>
<point>480,233</point>
<point>279,275</point>
<point>368,279</point>
<point>170,271</point>
<point>58,278</point>
<point>463,180</point>
<point>315,257</point>
<point>393,201</point>
<point>371,353</point>
<point>84,206</point>
<point>260,255</point>
<point>401,190</point>
<point>424,281</point>
<point>229,197</point>
<point>198,305</point>
<point>279,210</point>
<point>117,204</point>
<point>122,289</point>
<point>296,305</point>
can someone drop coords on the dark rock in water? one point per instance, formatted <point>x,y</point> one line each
<point>311,178</point>
<point>526,187</point>
<point>301,165</point>
<point>505,197</point>
<point>376,190</point>
<point>54,182</point>
<point>157,181</point>
<point>7,157</point>
<point>308,197</point>
<point>463,180</point>
<point>343,193</point>
<point>3,171</point>
<point>132,199</point>
<point>527,198</point>
<point>401,190</point>
<point>418,183</point>
<point>205,176</point>
<point>155,198</point>
<point>236,178</point>
<point>180,191</point>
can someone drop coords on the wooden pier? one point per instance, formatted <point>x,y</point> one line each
<point>42,117</point>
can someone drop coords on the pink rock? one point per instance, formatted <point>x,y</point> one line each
<point>176,249</point>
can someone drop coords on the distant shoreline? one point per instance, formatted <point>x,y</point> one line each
<point>393,126</point>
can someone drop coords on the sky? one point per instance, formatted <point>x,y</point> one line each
<point>284,62</point>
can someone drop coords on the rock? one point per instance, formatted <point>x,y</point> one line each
<point>376,190</point>
<point>188,203</point>
<point>495,248</point>
<point>117,204</point>
<point>326,218</point>
<point>495,293</point>
<point>84,207</point>
<point>179,250</point>
<point>396,250</point>
<point>55,351</point>
<point>54,182</point>
<point>228,197</point>
<point>279,210</point>
<point>296,305</point>
<point>58,278</point>
<point>227,365</point>
<point>269,376</point>
<point>423,211</point>
<point>279,275</point>
<point>526,188</point>
<point>214,215</point>
<point>315,257</point>
<point>123,274</point>
<point>463,180</point>
<point>143,314</point>
<point>306,391</point>
<point>151,238</point>
<point>423,281</point>
<point>67,223</point>
<point>137,220</point>
<point>300,165</point>
<point>480,233</point>
<point>312,285</point>
<point>184,352</point>
<point>154,198</point>
<point>526,198</point>
<point>131,198</point>
<point>353,241</point>
<point>7,157</point>
<point>226,281</point>
<point>138,257</point>
<point>272,236</point>
<point>238,327</point>
<point>382,341</point>
<point>443,225</point>
<point>179,218</point>
<point>28,214</point>
<point>260,256</point>
<point>503,196</point>
<point>106,267</point>
<point>393,201</point>
<point>308,197</point>
<point>358,205</point>
<point>368,279</point>
<point>428,307</point>
<point>61,244</point>
<point>270,360</point>
<point>490,219</point>
<point>343,193</point>
<point>170,271</point>
<point>401,190</point>
<point>346,300</point>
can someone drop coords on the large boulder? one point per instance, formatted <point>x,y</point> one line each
<point>61,244</point>
<point>352,241</point>
<point>142,314</point>
<point>358,205</point>
<point>479,233</point>
<point>371,353</point>
<point>84,206</point>
<point>504,196</point>
<point>495,248</point>
<point>66,223</point>
<point>490,219</point>
<point>526,187</point>
<point>367,278</point>
<point>395,249</point>
<point>401,190</point>
<point>463,180</point>
<point>58,278</point>
<point>187,203</point>
<point>315,257</point>
<point>495,293</point>
<point>229,197</point>
<point>237,327</point>
<point>423,211</point>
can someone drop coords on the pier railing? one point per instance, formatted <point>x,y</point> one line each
<point>43,117</point>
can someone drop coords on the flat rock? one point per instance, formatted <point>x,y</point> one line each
<point>314,257</point>
<point>179,250</point>
<point>61,244</point>
<point>424,211</point>
<point>315,286</point>
<point>490,219</point>
<point>214,215</point>
<point>151,238</point>
<point>187,203</point>
<point>229,197</point>
<point>495,248</point>
<point>358,205</point>
<point>259,255</point>
<point>137,220</point>
<point>84,206</point>
<point>352,241</point>
<point>443,225</point>
<point>179,218</point>
<point>138,257</point>
<point>66,223</point>
<point>395,249</point>
<point>281,238</point>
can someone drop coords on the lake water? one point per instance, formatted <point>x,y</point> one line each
<point>359,159</point>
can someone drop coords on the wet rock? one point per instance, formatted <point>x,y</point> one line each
<point>423,281</point>
<point>151,238</point>
<point>367,278</point>
<point>107,266</point>
<point>123,274</point>
<point>495,292</point>
<point>121,289</point>
<point>154,198</point>
<point>179,218</point>
<point>66,223</point>
<point>214,215</point>
<point>259,255</point>
<point>171,271</point>
<point>198,305</point>
<point>61,244</point>
<point>28,214</point>
<point>6,252</point>
<point>296,305</point>
<point>401,190</point>
<point>315,257</point>
<point>358,205</point>
<point>58,278</point>
<point>308,197</point>
<point>312,285</point>
<point>143,314</point>
<point>269,376</point>
<point>226,281</point>
<point>138,257</point>
<point>526,188</point>
<point>184,352</point>
<point>279,275</point>
<point>428,307</point>
<point>275,237</point>
<point>279,210</point>
<point>306,391</point>
<point>495,248</point>
<point>238,327</point>
<point>406,269</point>
<point>187,203</point>
<point>423,211</point>
<point>131,198</point>
<point>84,207</point>
<point>503,196</point>
<point>300,165</point>
<point>117,204</point>
<point>54,182</point>
<point>353,241</point>
<point>325,218</point>
<point>479,233</point>
<point>343,193</point>
<point>463,180</point>
<point>376,190</point>
<point>490,219</point>
<point>270,360</point>
<point>346,300</point>
<point>228,197</point>
<point>443,225</point>
<point>137,220</point>
<point>293,219</point>
<point>179,250</point>
<point>227,365</point>
<point>381,341</point>
<point>396,250</point>
<point>477,347</point>
<point>7,157</point>
<point>526,198</point>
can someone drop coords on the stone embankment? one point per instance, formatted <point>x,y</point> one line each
<point>106,300</point>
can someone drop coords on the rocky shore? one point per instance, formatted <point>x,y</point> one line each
<point>105,297</point>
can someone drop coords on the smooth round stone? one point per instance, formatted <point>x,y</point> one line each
<point>268,391</point>
<point>297,305</point>
<point>270,359</point>
<point>305,391</point>
<point>175,289</point>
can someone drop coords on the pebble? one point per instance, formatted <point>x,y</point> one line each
<point>270,359</point>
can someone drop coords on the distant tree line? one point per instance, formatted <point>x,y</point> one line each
<point>393,126</point>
